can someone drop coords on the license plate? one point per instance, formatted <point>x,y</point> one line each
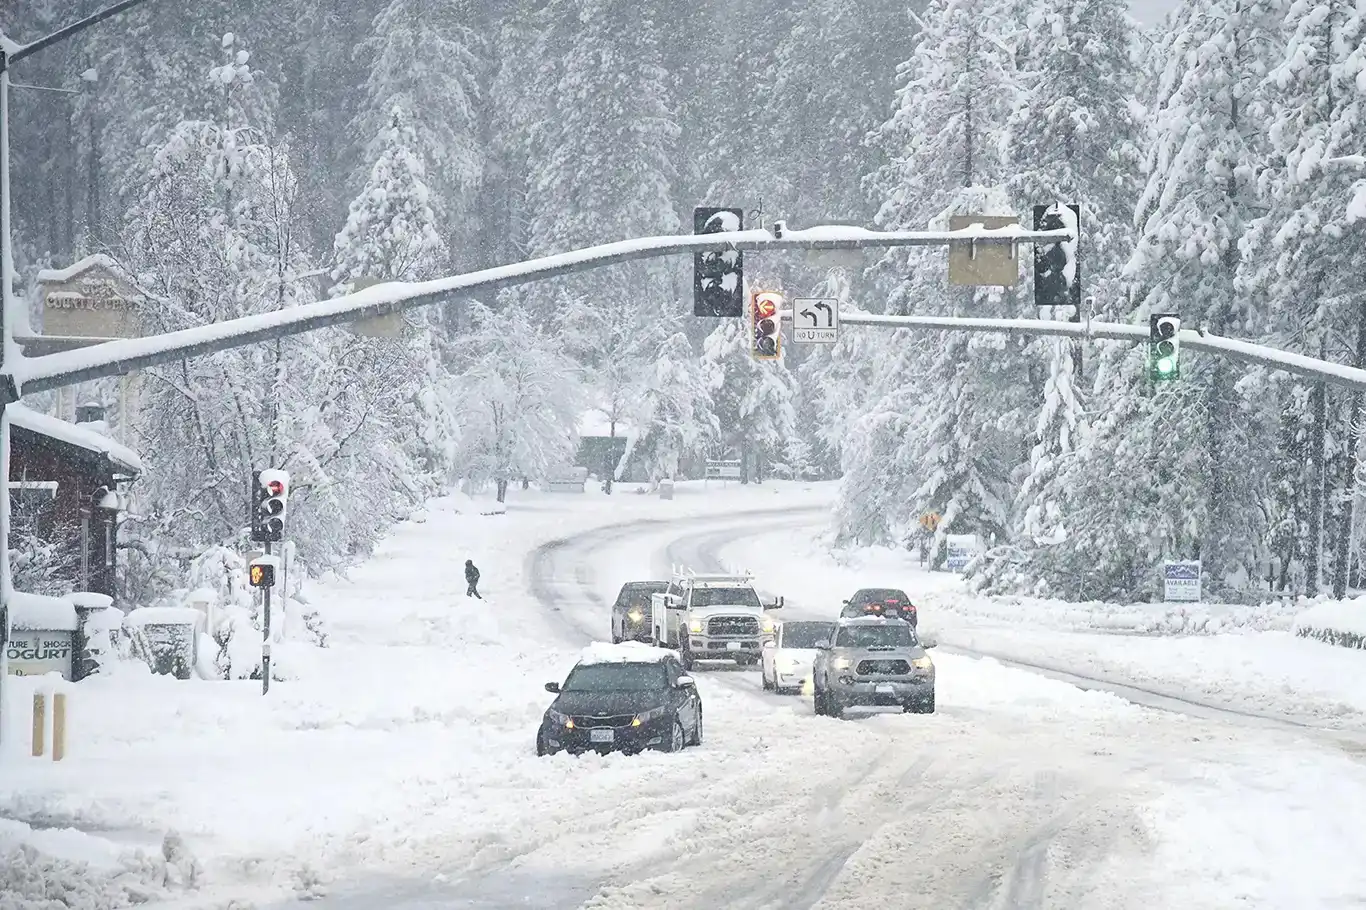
<point>886,690</point>
<point>601,736</point>
<point>734,645</point>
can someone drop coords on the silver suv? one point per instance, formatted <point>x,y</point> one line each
<point>873,662</point>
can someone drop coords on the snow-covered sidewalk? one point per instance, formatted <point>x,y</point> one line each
<point>1245,657</point>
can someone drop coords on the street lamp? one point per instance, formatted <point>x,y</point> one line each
<point>11,53</point>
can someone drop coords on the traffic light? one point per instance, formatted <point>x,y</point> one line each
<point>718,277</point>
<point>261,575</point>
<point>1057,266</point>
<point>766,325</point>
<point>1164,347</point>
<point>269,502</point>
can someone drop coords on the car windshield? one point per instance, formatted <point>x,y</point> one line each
<point>878,636</point>
<point>806,634</point>
<point>638,596</point>
<point>712,597</point>
<point>622,677</point>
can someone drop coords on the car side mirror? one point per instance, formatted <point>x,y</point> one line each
<point>928,641</point>
<point>552,687</point>
<point>685,682</point>
<point>822,646</point>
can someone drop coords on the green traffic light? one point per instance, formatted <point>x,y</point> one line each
<point>1166,366</point>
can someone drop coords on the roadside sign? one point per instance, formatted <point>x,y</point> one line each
<point>815,320</point>
<point>723,470</point>
<point>982,264</point>
<point>929,521</point>
<point>1181,582</point>
<point>962,548</point>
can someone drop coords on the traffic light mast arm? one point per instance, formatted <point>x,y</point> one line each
<point>1231,348</point>
<point>113,358</point>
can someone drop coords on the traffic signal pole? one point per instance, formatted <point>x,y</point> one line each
<point>265,633</point>
<point>1229,348</point>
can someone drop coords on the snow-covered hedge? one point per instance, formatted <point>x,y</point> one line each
<point>1335,622</point>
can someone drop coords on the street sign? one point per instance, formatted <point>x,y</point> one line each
<point>1181,582</point>
<point>815,320</point>
<point>89,299</point>
<point>983,264</point>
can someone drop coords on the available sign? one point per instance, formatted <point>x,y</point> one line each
<point>1181,582</point>
<point>961,550</point>
<point>33,652</point>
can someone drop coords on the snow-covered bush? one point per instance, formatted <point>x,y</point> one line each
<point>1335,622</point>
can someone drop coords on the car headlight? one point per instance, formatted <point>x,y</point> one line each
<point>922,663</point>
<point>842,663</point>
<point>695,625</point>
<point>645,717</point>
<point>561,720</point>
<point>635,616</point>
<point>768,626</point>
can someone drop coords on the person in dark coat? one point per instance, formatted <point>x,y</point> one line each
<point>472,576</point>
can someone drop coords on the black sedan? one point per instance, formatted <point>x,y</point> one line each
<point>641,701</point>
<point>890,602</point>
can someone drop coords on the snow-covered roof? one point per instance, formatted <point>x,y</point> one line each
<point>167,616</point>
<point>38,611</point>
<point>628,652</point>
<point>56,428</point>
<point>76,268</point>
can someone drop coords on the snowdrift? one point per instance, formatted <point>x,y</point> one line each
<point>1335,622</point>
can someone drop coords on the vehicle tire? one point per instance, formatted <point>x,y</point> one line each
<point>678,741</point>
<point>833,708</point>
<point>541,749</point>
<point>925,705</point>
<point>697,734</point>
<point>616,639</point>
<point>818,700</point>
<point>768,686</point>
<point>685,656</point>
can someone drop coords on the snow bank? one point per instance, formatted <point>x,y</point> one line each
<point>38,611</point>
<point>1336,622</point>
<point>601,652</point>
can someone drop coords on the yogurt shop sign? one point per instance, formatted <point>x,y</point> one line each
<point>33,652</point>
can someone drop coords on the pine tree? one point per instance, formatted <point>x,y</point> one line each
<point>753,401</point>
<point>677,420</point>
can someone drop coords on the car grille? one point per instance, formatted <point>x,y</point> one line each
<point>733,625</point>
<point>612,720</point>
<point>883,667</point>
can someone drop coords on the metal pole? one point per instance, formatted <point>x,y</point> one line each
<point>7,351</point>
<point>265,636</point>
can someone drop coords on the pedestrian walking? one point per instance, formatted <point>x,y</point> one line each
<point>472,577</point>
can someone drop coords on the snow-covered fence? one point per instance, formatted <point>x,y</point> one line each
<point>170,638</point>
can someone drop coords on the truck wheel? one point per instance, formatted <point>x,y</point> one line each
<point>768,686</point>
<point>833,708</point>
<point>921,706</point>
<point>818,700</point>
<point>685,656</point>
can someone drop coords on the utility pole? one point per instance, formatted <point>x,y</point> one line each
<point>11,53</point>
<point>265,633</point>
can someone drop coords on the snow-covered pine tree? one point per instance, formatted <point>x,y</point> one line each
<point>969,411</point>
<point>1208,142</point>
<point>391,235</point>
<point>1302,255</point>
<point>428,57</point>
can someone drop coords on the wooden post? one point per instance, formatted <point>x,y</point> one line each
<point>58,726</point>
<point>39,718</point>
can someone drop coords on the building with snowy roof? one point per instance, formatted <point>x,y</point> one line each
<point>67,484</point>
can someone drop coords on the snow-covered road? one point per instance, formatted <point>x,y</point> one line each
<point>398,770</point>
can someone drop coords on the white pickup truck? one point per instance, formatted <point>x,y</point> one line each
<point>712,617</point>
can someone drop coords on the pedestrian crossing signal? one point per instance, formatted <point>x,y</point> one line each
<point>261,575</point>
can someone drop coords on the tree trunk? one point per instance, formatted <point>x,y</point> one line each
<point>1341,562</point>
<point>502,485</point>
<point>1314,553</point>
<point>609,465</point>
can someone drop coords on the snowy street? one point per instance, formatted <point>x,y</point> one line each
<point>398,769</point>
